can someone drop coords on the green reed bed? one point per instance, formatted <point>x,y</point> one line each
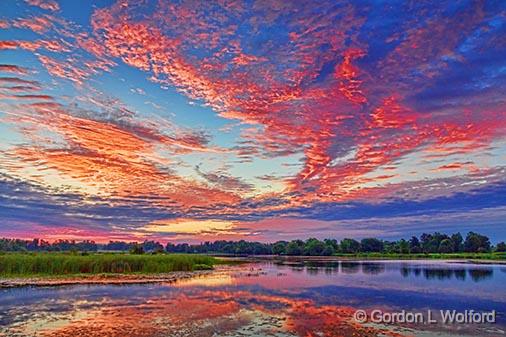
<point>40,264</point>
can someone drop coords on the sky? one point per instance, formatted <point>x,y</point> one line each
<point>263,120</point>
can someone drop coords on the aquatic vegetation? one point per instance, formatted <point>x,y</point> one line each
<point>28,264</point>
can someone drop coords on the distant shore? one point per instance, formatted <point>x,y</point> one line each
<point>429,256</point>
<point>478,258</point>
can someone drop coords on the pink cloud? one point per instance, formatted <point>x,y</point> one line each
<point>50,5</point>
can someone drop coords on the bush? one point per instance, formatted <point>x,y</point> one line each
<point>137,249</point>
<point>501,247</point>
<point>371,245</point>
<point>446,246</point>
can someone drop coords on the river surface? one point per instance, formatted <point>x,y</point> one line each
<point>292,298</point>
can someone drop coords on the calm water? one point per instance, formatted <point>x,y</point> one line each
<point>266,299</point>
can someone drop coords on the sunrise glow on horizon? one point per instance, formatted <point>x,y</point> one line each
<point>255,120</point>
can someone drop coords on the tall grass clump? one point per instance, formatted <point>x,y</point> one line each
<point>23,264</point>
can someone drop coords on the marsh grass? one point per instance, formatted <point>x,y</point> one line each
<point>54,264</point>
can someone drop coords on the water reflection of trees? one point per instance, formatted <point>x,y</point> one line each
<point>345,267</point>
<point>376,268</point>
<point>373,268</point>
<point>476,274</point>
<point>350,267</point>
<point>480,274</point>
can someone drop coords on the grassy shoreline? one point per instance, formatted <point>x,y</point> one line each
<point>499,256</point>
<point>496,256</point>
<point>25,265</point>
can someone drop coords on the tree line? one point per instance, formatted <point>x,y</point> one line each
<point>17,245</point>
<point>426,243</point>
